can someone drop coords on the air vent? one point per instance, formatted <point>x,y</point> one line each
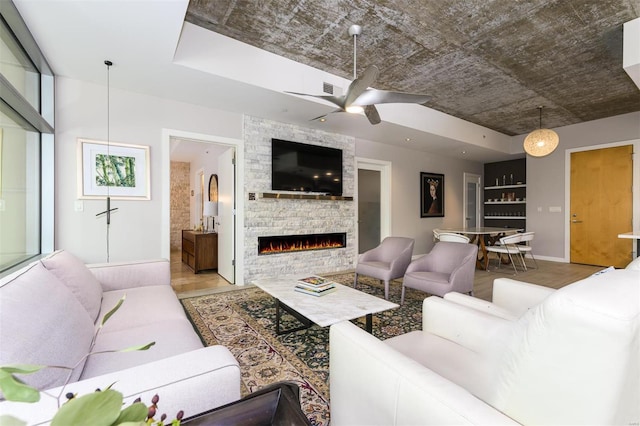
<point>327,88</point>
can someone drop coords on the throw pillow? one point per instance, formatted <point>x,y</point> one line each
<point>42,323</point>
<point>78,278</point>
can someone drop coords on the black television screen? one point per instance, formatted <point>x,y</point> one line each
<point>307,168</point>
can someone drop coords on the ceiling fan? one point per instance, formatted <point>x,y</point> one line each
<point>359,98</point>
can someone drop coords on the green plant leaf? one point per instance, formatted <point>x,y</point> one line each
<point>138,348</point>
<point>134,413</point>
<point>22,368</point>
<point>14,390</point>
<point>6,420</point>
<point>96,409</point>
<point>109,314</point>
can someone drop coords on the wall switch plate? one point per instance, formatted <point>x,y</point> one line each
<point>555,209</point>
<point>2,205</point>
<point>539,209</point>
<point>78,205</point>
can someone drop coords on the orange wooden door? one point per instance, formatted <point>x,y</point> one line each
<point>601,206</point>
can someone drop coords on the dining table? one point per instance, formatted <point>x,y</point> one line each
<point>482,236</point>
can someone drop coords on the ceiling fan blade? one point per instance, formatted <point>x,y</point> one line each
<point>336,100</point>
<point>360,84</point>
<point>373,96</point>
<point>324,115</point>
<point>372,114</point>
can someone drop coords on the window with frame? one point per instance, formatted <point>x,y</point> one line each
<point>26,144</point>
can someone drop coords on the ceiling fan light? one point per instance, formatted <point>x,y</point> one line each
<point>541,142</point>
<point>354,109</point>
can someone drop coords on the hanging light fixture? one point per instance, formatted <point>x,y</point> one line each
<point>541,142</point>
<point>108,211</point>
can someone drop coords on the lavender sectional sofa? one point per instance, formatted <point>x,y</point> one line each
<point>50,310</point>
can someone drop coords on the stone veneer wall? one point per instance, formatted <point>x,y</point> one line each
<point>179,201</point>
<point>264,217</point>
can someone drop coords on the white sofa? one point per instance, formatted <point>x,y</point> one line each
<point>572,358</point>
<point>50,310</point>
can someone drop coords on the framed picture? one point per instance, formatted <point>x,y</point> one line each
<point>118,170</point>
<point>431,195</point>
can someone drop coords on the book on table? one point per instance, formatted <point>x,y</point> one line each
<point>316,291</point>
<point>314,281</point>
<point>315,285</point>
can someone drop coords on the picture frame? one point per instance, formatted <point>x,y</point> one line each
<point>120,171</point>
<point>213,188</point>
<point>431,194</point>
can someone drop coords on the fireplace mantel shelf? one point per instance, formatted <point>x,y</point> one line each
<point>303,196</point>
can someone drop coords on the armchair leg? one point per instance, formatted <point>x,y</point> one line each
<point>355,280</point>
<point>386,289</point>
<point>402,296</point>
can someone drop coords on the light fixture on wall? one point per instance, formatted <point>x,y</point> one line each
<point>108,211</point>
<point>541,142</point>
<point>210,210</point>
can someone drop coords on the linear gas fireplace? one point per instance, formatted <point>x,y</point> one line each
<point>292,243</point>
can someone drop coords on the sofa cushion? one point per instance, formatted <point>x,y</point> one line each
<point>41,322</point>
<point>173,336</point>
<point>142,306</point>
<point>75,275</point>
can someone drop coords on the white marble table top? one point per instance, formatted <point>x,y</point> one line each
<point>346,303</point>
<point>481,230</point>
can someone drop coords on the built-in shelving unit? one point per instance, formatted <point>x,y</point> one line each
<point>505,202</point>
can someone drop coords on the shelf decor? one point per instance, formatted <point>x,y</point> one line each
<point>431,194</point>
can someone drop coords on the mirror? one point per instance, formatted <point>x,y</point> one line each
<point>213,188</point>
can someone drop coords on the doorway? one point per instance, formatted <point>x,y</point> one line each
<point>472,196</point>
<point>236,231</point>
<point>373,183</point>
<point>601,206</point>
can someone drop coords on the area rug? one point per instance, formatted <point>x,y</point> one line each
<point>244,322</point>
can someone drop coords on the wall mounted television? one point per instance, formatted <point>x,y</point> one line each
<point>307,168</point>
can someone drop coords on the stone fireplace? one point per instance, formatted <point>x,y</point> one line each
<point>291,243</point>
<point>282,217</point>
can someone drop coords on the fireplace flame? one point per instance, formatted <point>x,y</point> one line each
<point>284,247</point>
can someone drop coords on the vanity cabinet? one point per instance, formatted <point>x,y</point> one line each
<point>505,194</point>
<point>200,250</point>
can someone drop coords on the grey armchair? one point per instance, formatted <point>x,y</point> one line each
<point>386,262</point>
<point>448,267</point>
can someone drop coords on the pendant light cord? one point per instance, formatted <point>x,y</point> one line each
<point>540,109</point>
<point>355,46</point>
<point>108,64</point>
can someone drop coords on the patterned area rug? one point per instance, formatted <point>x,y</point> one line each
<point>244,321</point>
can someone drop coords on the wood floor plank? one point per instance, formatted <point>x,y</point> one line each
<point>550,274</point>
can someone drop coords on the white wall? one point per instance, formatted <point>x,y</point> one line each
<point>405,186</point>
<point>81,112</point>
<point>139,119</point>
<point>547,181</point>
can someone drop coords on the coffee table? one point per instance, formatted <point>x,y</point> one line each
<point>344,304</point>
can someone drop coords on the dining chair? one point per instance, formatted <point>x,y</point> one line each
<point>453,237</point>
<point>524,247</point>
<point>386,262</point>
<point>509,246</point>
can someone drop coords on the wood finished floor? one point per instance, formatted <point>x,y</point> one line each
<point>183,280</point>
<point>551,274</point>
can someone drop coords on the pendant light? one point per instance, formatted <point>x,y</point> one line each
<point>541,142</point>
<point>108,211</point>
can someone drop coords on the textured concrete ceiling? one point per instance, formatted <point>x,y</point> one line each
<point>490,62</point>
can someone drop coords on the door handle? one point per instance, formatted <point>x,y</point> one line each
<point>576,221</point>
